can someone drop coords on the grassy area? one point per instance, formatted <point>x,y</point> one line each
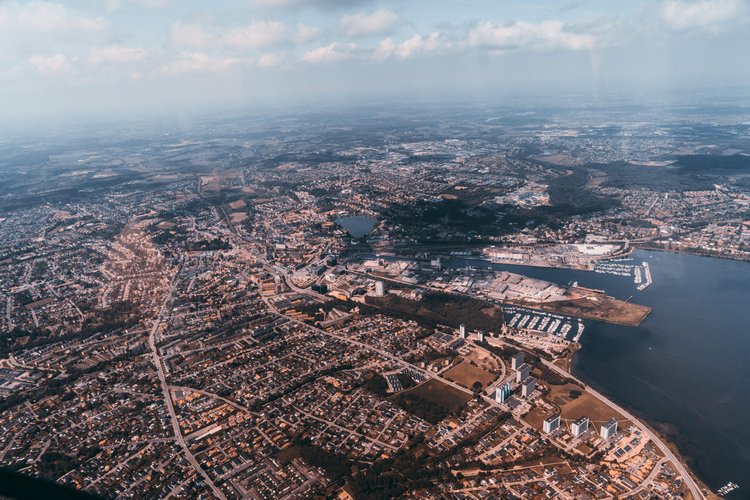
<point>442,308</point>
<point>466,374</point>
<point>597,306</point>
<point>575,403</point>
<point>432,401</point>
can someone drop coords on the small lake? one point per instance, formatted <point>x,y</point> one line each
<point>356,225</point>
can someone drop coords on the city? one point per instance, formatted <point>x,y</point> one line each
<point>374,249</point>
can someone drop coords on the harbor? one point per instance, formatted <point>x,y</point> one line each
<point>530,320</point>
<point>640,272</point>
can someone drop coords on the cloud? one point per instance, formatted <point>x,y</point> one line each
<point>546,35</point>
<point>190,35</point>
<point>361,24</point>
<point>116,55</point>
<point>254,35</point>
<point>51,19</point>
<point>49,65</point>
<point>330,53</point>
<point>269,60</point>
<point>112,5</point>
<point>681,15</point>
<point>318,4</point>
<point>200,62</point>
<point>306,33</point>
<point>417,44</point>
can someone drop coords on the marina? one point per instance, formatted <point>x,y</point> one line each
<point>542,323</point>
<point>674,352</point>
<point>641,272</point>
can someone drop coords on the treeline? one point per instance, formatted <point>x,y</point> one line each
<point>57,386</point>
<point>437,308</point>
<point>420,407</point>
<point>337,466</point>
<point>259,403</point>
<point>121,315</point>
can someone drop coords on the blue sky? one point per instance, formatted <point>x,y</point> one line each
<point>126,55</point>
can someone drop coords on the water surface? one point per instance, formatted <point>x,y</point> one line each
<point>356,225</point>
<point>686,368</point>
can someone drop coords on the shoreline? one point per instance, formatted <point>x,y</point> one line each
<point>633,248</point>
<point>650,248</point>
<point>644,420</point>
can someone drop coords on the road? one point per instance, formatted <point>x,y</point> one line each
<point>694,490</point>
<point>692,486</point>
<point>158,362</point>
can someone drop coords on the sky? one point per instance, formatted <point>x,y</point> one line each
<point>73,58</point>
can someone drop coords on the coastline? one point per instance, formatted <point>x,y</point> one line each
<point>655,248</point>
<point>644,420</point>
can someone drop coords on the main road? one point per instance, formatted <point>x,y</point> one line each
<point>694,490</point>
<point>160,371</point>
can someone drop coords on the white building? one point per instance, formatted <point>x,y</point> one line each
<point>522,373</point>
<point>379,289</point>
<point>517,360</point>
<point>609,429</point>
<point>502,392</point>
<point>528,386</point>
<point>579,426</point>
<point>551,423</point>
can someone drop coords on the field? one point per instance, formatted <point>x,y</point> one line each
<point>237,205</point>
<point>442,308</point>
<point>584,405</point>
<point>466,374</point>
<point>238,217</point>
<point>442,394</point>
<point>431,401</point>
<point>597,306</point>
<point>535,418</point>
<point>485,360</point>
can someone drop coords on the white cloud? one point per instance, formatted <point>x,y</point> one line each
<point>112,5</point>
<point>319,4</point>
<point>116,55</point>
<point>361,24</point>
<point>680,14</point>
<point>306,33</point>
<point>417,44</point>
<point>330,53</point>
<point>254,35</point>
<point>49,18</point>
<point>190,35</point>
<point>200,62</point>
<point>546,35</point>
<point>49,65</point>
<point>269,60</point>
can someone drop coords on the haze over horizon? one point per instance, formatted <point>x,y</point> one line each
<point>160,56</point>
